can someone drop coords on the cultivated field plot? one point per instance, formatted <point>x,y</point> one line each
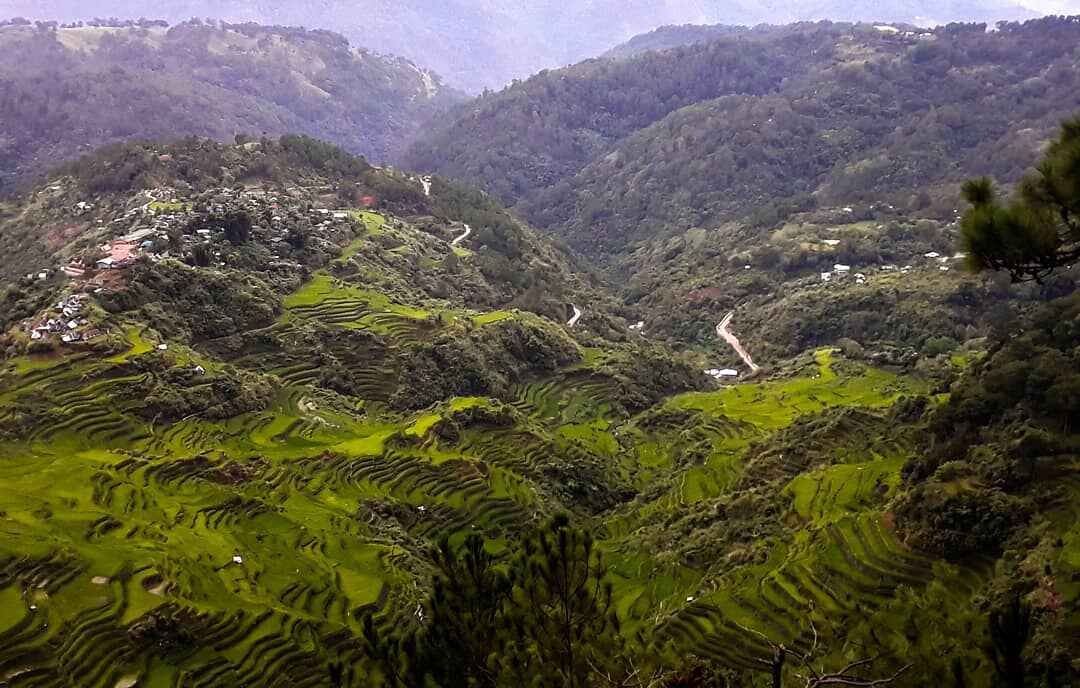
<point>248,549</point>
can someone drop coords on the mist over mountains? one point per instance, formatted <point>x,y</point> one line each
<point>477,44</point>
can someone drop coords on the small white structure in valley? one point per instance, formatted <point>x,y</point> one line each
<point>721,374</point>
<point>841,269</point>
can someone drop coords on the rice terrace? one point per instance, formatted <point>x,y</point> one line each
<point>731,357</point>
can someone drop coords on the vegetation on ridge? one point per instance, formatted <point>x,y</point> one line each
<point>71,89</point>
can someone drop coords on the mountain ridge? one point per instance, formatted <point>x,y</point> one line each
<point>479,44</point>
<point>72,89</point>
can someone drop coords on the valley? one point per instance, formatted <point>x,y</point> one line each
<point>729,371</point>
<point>204,489</point>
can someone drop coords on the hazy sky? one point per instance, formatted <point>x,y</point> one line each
<point>1054,6</point>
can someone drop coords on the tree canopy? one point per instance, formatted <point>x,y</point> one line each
<point>1038,231</point>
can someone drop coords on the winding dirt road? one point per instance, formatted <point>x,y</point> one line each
<point>463,237</point>
<point>725,334</point>
<point>577,316</point>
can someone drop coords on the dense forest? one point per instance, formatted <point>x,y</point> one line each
<point>70,90</point>
<point>671,36</point>
<point>764,124</point>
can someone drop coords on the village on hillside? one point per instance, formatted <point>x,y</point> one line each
<point>276,229</point>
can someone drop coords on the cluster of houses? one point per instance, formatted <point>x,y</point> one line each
<point>889,29</point>
<point>161,214</point>
<point>841,271</point>
<point>65,322</point>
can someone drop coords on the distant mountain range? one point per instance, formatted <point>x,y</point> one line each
<point>479,44</point>
<point>67,91</point>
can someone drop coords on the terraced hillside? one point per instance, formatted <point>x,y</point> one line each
<point>249,548</point>
<point>250,447</point>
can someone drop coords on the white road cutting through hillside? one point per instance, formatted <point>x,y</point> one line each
<point>463,237</point>
<point>577,316</point>
<point>725,334</point>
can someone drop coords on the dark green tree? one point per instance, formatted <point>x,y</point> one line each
<point>561,611</point>
<point>1038,232</point>
<point>297,238</point>
<point>1010,631</point>
<point>549,622</point>
<point>451,263</point>
<point>200,256</point>
<point>462,617</point>
<point>237,226</point>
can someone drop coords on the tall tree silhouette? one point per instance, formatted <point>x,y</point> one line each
<point>1010,630</point>
<point>1038,232</point>
<point>561,610</point>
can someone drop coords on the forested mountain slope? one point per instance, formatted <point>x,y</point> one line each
<point>667,37</point>
<point>811,185</point>
<point>68,90</point>
<point>610,152</point>
<point>878,122</point>
<point>481,44</point>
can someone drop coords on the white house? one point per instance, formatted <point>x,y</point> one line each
<point>720,374</point>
